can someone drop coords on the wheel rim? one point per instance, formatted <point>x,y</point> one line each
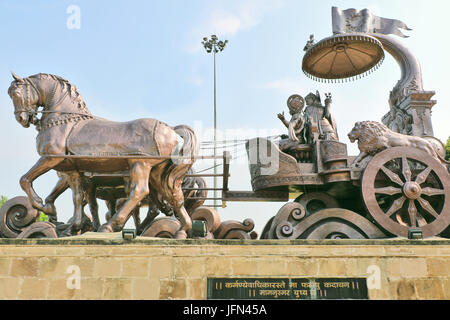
<point>406,188</point>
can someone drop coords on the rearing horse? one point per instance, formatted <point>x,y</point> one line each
<point>66,127</point>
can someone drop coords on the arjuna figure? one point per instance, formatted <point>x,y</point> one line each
<point>295,125</point>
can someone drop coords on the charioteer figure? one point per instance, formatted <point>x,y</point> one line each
<point>320,124</point>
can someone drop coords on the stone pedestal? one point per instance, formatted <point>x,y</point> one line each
<point>110,268</point>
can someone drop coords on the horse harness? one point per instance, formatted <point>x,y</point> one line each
<point>65,117</point>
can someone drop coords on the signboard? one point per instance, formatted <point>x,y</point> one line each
<point>287,288</point>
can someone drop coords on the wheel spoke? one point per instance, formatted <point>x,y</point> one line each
<point>388,190</point>
<point>427,206</point>
<point>406,170</point>
<point>432,191</point>
<point>421,177</point>
<point>421,220</point>
<point>396,205</point>
<point>412,211</point>
<point>392,176</point>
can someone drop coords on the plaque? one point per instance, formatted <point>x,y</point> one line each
<point>287,288</point>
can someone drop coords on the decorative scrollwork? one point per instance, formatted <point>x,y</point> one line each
<point>283,223</point>
<point>236,230</point>
<point>162,228</point>
<point>211,217</point>
<point>15,216</point>
<point>332,223</point>
<point>284,229</point>
<point>315,201</point>
<point>41,229</point>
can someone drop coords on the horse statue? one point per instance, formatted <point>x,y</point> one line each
<point>147,149</point>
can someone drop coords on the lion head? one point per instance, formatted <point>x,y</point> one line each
<point>355,133</point>
<point>369,129</point>
<point>368,134</point>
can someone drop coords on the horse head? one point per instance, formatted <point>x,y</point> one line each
<point>25,97</point>
<point>55,94</point>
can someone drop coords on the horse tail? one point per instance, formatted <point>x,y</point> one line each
<point>191,144</point>
<point>174,173</point>
<point>189,191</point>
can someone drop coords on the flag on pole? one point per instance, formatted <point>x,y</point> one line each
<point>352,20</point>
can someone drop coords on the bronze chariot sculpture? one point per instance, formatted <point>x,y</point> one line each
<point>398,184</point>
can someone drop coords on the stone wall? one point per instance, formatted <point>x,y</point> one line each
<point>148,268</point>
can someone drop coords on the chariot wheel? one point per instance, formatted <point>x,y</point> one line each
<point>406,188</point>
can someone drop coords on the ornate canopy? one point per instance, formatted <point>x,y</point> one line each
<point>343,56</point>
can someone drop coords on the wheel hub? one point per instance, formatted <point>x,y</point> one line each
<point>412,190</point>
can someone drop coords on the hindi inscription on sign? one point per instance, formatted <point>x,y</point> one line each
<point>287,288</point>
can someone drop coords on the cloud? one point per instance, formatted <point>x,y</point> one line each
<point>375,9</point>
<point>286,86</point>
<point>196,80</point>
<point>227,22</point>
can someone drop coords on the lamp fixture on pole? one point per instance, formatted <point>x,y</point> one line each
<point>214,45</point>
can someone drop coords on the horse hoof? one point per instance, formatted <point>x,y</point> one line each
<point>95,227</point>
<point>105,228</point>
<point>49,209</point>
<point>65,233</point>
<point>181,234</point>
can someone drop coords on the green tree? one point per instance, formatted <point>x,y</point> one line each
<point>43,217</point>
<point>447,149</point>
<point>3,199</point>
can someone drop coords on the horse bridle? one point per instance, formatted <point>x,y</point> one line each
<point>32,113</point>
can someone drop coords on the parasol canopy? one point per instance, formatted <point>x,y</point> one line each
<point>343,56</point>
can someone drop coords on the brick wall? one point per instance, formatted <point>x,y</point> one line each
<point>110,268</point>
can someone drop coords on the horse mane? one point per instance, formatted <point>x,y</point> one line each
<point>71,89</point>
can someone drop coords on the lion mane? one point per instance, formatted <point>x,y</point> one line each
<point>374,137</point>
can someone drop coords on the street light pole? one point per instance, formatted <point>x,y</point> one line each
<point>214,46</point>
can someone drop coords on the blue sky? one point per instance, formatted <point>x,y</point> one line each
<point>135,59</point>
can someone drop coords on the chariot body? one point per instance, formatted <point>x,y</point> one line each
<point>399,183</point>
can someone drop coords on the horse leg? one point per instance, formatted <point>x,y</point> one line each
<point>173,194</point>
<point>61,186</point>
<point>90,190</point>
<point>137,220</point>
<point>139,175</point>
<point>111,205</point>
<point>177,202</point>
<point>152,213</point>
<point>43,165</point>
<point>76,185</point>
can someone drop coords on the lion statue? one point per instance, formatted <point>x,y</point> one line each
<point>374,137</point>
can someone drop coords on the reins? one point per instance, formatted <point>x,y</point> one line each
<point>33,112</point>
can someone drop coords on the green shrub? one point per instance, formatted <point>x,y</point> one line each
<point>447,149</point>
